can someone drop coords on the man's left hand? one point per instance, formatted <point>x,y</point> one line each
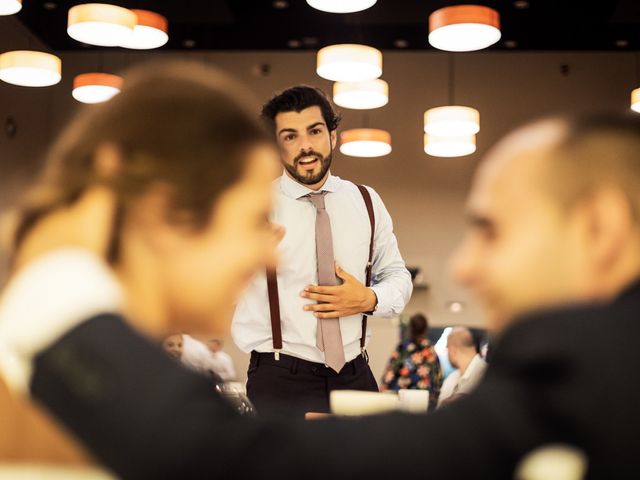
<point>350,298</point>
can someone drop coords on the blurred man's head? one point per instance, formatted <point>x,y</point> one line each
<point>460,346</point>
<point>554,216</point>
<point>418,326</point>
<point>215,345</point>
<point>173,346</point>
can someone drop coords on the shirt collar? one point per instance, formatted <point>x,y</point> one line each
<point>296,190</point>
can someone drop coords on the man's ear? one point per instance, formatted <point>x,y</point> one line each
<point>334,139</point>
<point>610,225</point>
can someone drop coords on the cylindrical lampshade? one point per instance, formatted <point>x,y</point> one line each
<point>365,142</point>
<point>30,68</point>
<point>361,95</point>
<point>95,87</point>
<point>341,6</point>
<point>150,31</point>
<point>453,120</point>
<point>463,28</point>
<point>9,7</point>
<point>458,146</point>
<point>635,100</point>
<point>101,24</point>
<point>349,63</point>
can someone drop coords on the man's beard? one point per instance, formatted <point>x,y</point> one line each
<point>309,178</point>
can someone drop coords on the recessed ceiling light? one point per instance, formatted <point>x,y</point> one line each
<point>50,5</point>
<point>294,43</point>
<point>280,4</point>
<point>310,41</point>
<point>622,43</point>
<point>455,306</point>
<point>521,4</point>
<point>188,43</point>
<point>510,43</point>
<point>400,43</point>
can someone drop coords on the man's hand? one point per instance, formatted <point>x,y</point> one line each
<point>350,298</point>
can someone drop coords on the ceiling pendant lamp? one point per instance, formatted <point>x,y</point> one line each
<point>361,95</point>
<point>449,146</point>
<point>149,32</point>
<point>101,24</point>
<point>9,7</point>
<point>95,87</point>
<point>464,28</point>
<point>341,6</point>
<point>349,63</point>
<point>365,142</point>
<point>635,100</point>
<point>29,68</point>
<point>451,120</point>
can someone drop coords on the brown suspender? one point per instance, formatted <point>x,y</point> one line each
<point>274,307</point>
<point>272,285</point>
<point>372,219</point>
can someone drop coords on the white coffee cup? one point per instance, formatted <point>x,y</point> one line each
<point>413,401</point>
<point>356,402</point>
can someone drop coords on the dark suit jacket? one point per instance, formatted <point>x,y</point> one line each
<point>566,376</point>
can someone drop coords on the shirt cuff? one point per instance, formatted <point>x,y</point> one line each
<point>50,296</point>
<point>386,307</point>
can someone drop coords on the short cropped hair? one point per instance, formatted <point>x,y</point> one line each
<point>596,149</point>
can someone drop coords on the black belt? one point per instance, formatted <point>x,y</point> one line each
<point>296,365</point>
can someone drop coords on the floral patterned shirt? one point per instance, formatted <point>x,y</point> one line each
<point>414,365</point>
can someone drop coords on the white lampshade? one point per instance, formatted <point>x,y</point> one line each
<point>341,6</point>
<point>9,7</point>
<point>464,28</point>
<point>365,142</point>
<point>453,120</point>
<point>361,95</point>
<point>635,100</point>
<point>30,68</point>
<point>150,31</point>
<point>101,24</point>
<point>349,63</point>
<point>95,87</point>
<point>458,146</point>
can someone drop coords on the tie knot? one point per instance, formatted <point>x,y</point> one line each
<point>317,199</point>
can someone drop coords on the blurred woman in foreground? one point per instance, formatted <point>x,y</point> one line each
<point>168,187</point>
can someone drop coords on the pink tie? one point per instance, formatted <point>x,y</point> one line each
<point>328,338</point>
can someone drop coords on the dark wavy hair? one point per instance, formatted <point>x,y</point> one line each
<point>296,99</point>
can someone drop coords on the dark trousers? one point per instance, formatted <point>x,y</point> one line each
<point>292,386</point>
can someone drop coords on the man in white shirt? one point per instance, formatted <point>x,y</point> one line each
<point>470,365</point>
<point>295,374</point>
<point>220,362</point>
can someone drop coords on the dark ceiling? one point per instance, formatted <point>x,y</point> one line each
<point>390,24</point>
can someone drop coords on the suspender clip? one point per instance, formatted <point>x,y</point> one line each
<point>364,353</point>
<point>276,354</point>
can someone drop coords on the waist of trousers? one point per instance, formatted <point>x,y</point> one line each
<point>296,365</point>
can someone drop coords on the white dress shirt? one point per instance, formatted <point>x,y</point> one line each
<point>351,231</point>
<point>50,296</point>
<point>456,384</point>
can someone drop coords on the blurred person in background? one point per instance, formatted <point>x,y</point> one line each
<point>414,364</point>
<point>469,365</point>
<point>221,362</point>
